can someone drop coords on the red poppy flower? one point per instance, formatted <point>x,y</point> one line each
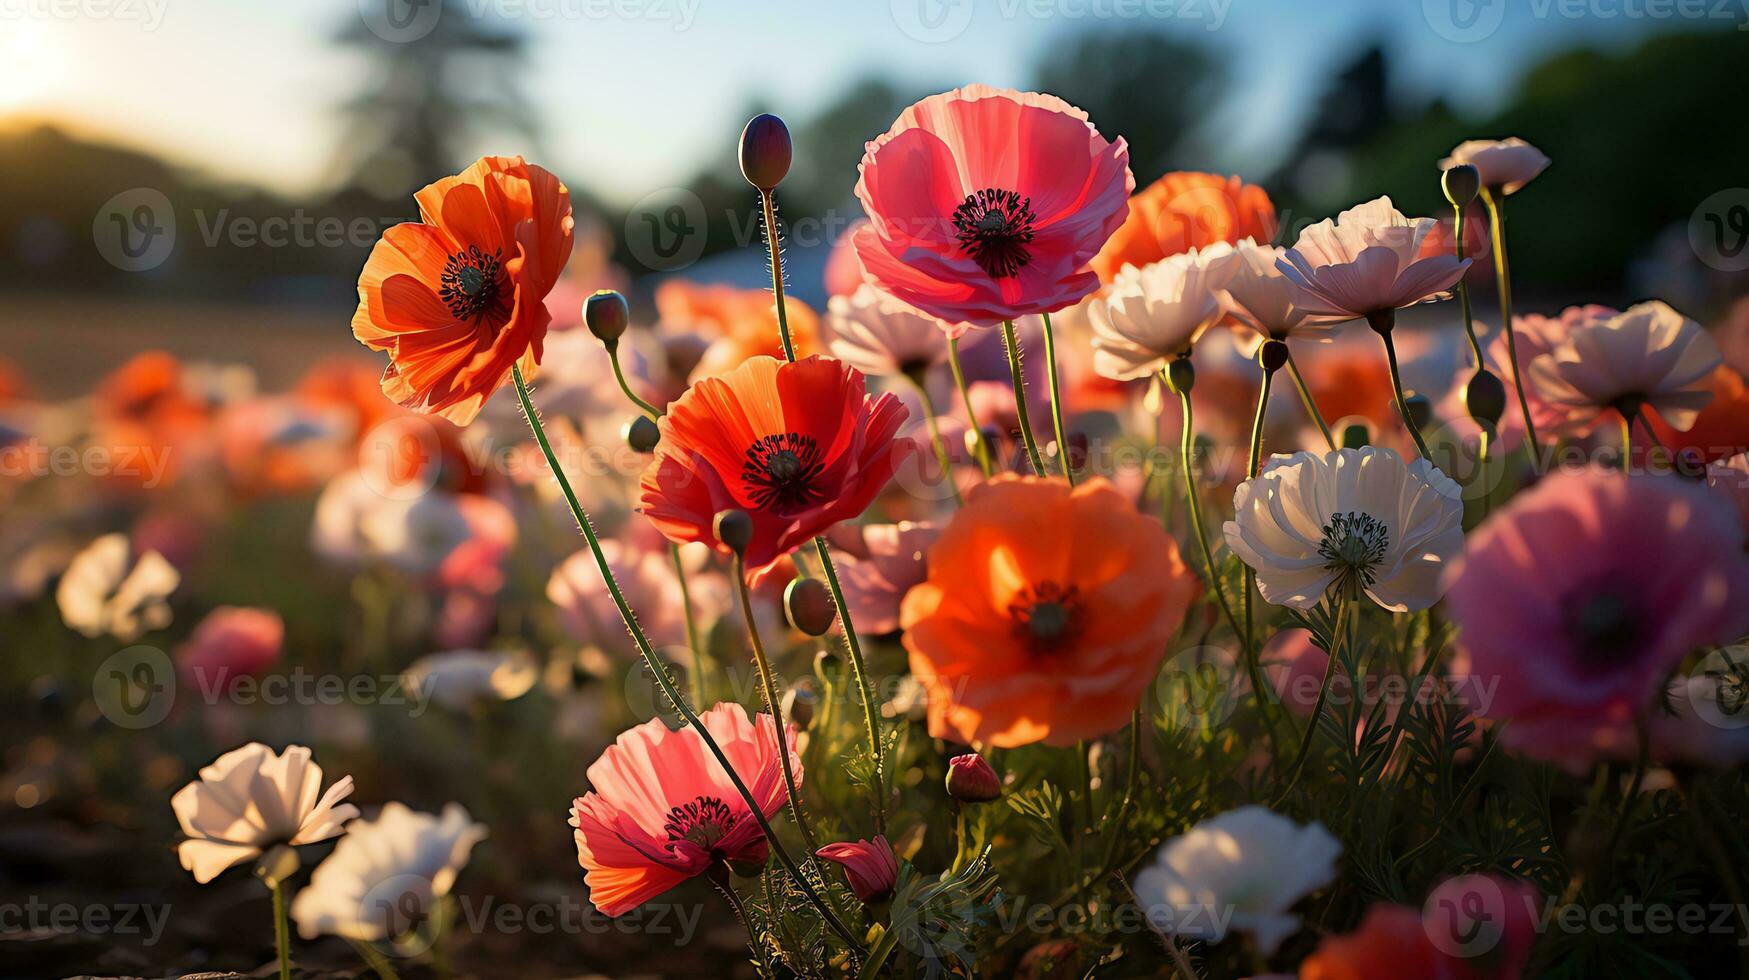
<point>456,298</point>
<point>799,447</point>
<point>986,204</point>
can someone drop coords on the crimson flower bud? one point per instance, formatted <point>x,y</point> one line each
<point>971,780</point>
<point>606,315</point>
<point>808,606</point>
<point>765,151</point>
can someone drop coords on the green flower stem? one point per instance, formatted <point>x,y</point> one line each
<point>774,705</point>
<point>1129,791</point>
<point>1306,399</point>
<point>281,932</point>
<point>374,959</point>
<point>1463,289</point>
<point>870,708</point>
<point>1344,623</point>
<point>986,458</point>
<point>694,642</point>
<point>1496,204</point>
<point>1012,344</point>
<point>1061,430</point>
<point>1253,655</point>
<point>1397,391</point>
<point>941,454</point>
<point>769,205</point>
<point>669,689</point>
<point>619,375</point>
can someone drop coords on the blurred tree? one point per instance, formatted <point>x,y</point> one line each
<point>1151,89</point>
<point>437,94</point>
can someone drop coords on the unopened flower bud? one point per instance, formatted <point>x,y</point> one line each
<point>1485,397</point>
<point>1355,436</point>
<point>971,780</point>
<point>1272,355</point>
<point>808,606</point>
<point>870,867</point>
<point>798,706</point>
<point>734,528</point>
<point>606,315</point>
<point>642,434</point>
<point>1461,184</point>
<point>765,151</point>
<point>1181,375</point>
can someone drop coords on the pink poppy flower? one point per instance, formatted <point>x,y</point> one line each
<point>1506,164</point>
<point>879,564</point>
<point>1535,335</point>
<point>987,204</point>
<point>1649,568</point>
<point>1261,301</point>
<point>1369,260</point>
<point>869,865</point>
<point>646,576</point>
<point>231,643</point>
<point>662,809</point>
<point>1648,355</point>
<point>877,333</point>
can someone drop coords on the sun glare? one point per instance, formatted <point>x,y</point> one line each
<point>35,66</point>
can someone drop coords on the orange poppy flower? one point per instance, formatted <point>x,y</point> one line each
<point>738,323</point>
<point>1046,612</point>
<point>799,447</point>
<point>456,298</point>
<point>1721,430</point>
<point>1182,211</point>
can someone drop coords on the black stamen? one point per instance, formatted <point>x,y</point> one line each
<point>782,470</point>
<point>1046,616</point>
<point>1355,544</point>
<point>472,285</point>
<point>704,821</point>
<point>994,227</point>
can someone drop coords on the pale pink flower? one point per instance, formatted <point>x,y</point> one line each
<point>1506,164</point>
<point>1369,260</point>
<point>1262,301</point>
<point>1150,315</point>
<point>647,578</point>
<point>1576,600</point>
<point>870,866</point>
<point>879,563</point>
<point>249,800</point>
<point>879,334</point>
<point>662,810</point>
<point>1648,355</point>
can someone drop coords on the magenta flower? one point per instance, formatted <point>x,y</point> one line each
<point>988,204</point>
<point>869,865</point>
<point>1576,601</point>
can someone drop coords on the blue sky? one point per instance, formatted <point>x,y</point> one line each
<point>635,93</point>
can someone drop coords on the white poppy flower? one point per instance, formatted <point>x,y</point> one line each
<point>1369,260</point>
<point>105,590</point>
<point>461,679</point>
<point>1508,164</point>
<point>386,874</point>
<point>1152,314</point>
<point>877,333</point>
<point>1312,521</point>
<point>1646,355</point>
<point>249,800</point>
<point>1262,299</point>
<point>1238,872</point>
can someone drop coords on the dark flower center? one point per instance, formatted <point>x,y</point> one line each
<point>1046,616</point>
<point>705,821</point>
<point>472,285</point>
<point>1354,545</point>
<point>782,472</point>
<point>994,228</point>
<point>1608,627</point>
